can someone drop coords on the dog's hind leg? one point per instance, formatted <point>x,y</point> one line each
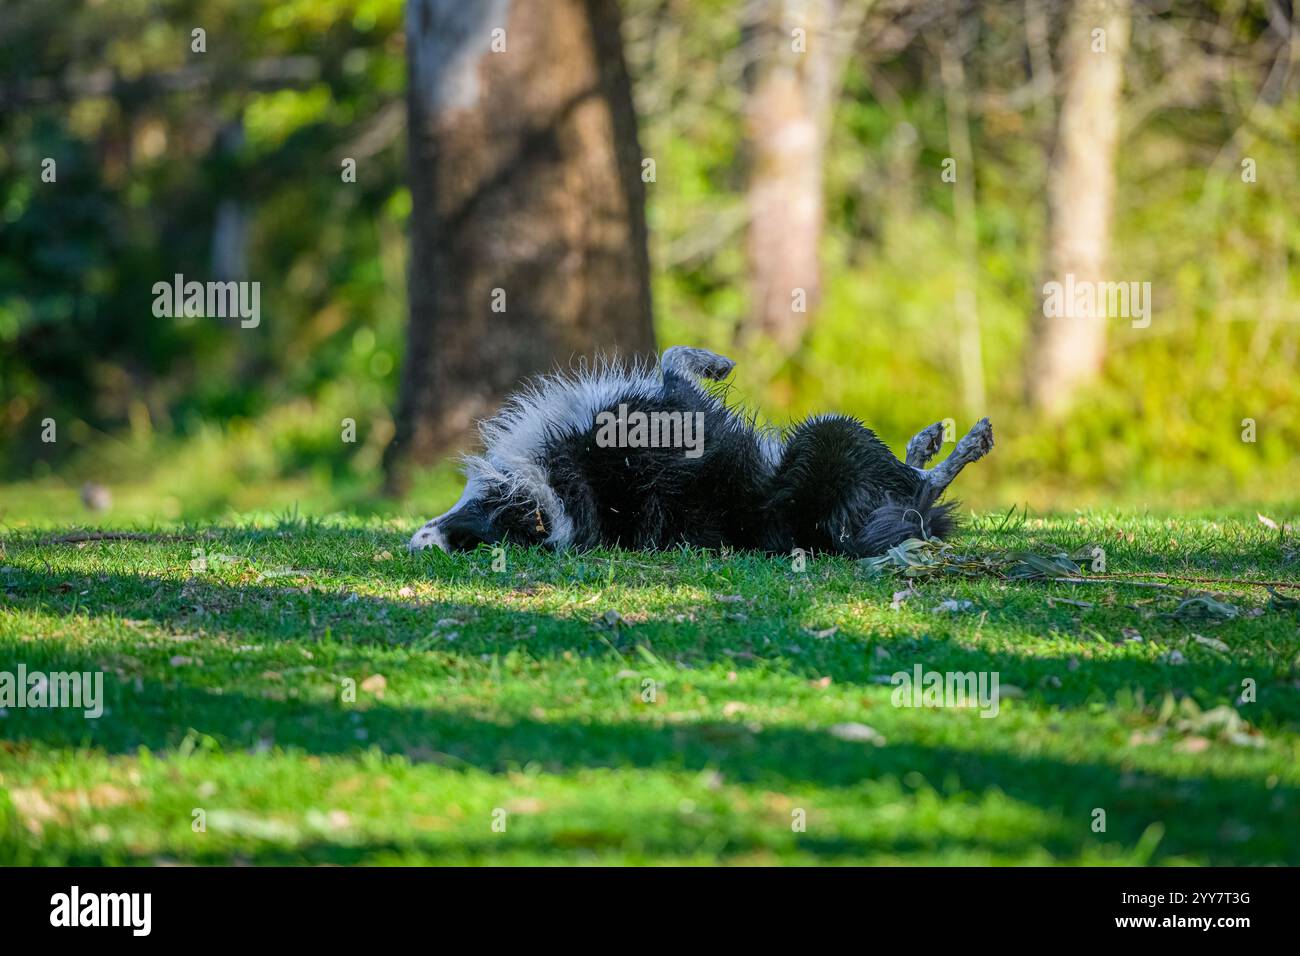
<point>974,445</point>
<point>924,445</point>
<point>696,363</point>
<point>839,488</point>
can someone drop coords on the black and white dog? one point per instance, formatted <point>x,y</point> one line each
<point>648,458</point>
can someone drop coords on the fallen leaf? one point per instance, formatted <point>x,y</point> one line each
<point>1028,565</point>
<point>952,606</point>
<point>1204,607</point>
<point>33,808</point>
<point>857,733</point>
<point>524,805</point>
<point>1212,642</point>
<point>1281,602</point>
<point>1143,738</point>
<point>339,819</point>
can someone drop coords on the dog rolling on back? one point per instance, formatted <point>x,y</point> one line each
<point>649,458</point>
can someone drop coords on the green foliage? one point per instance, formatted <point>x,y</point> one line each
<point>1166,421</point>
<point>144,173</point>
<point>144,177</point>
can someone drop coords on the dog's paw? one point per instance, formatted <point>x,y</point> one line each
<point>717,369</point>
<point>924,445</point>
<point>979,439</point>
<point>700,363</point>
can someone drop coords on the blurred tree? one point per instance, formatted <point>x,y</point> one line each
<point>528,233</point>
<point>311,201</point>
<point>220,164</point>
<point>951,53</point>
<point>1066,352</point>
<point>799,49</point>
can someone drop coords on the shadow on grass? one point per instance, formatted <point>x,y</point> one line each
<point>313,604</point>
<point>648,838</point>
<point>1223,820</point>
<point>1218,818</point>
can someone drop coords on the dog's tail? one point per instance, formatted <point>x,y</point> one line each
<point>896,521</point>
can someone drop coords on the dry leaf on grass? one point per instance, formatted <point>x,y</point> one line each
<point>857,733</point>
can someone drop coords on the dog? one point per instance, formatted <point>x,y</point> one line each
<point>648,457</point>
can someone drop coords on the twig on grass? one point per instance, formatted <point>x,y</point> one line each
<point>1181,577</point>
<point>919,559</point>
<point>1109,580</point>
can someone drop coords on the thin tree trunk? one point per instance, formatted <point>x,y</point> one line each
<point>528,233</point>
<point>970,345</point>
<point>1066,353</point>
<point>800,50</point>
<point>230,227</point>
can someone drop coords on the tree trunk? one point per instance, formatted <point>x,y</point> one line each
<point>799,48</point>
<point>1066,353</point>
<point>970,343</point>
<point>528,233</point>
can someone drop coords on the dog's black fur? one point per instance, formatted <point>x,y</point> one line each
<point>827,484</point>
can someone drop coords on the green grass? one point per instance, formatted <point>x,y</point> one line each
<point>223,693</point>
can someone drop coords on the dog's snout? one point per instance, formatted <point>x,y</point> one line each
<point>462,529</point>
<point>430,536</point>
<point>466,528</point>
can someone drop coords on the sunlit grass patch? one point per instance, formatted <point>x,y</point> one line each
<point>319,694</point>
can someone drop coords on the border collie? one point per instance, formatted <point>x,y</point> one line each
<point>648,457</point>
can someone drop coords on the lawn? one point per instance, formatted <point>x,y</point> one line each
<point>280,690</point>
